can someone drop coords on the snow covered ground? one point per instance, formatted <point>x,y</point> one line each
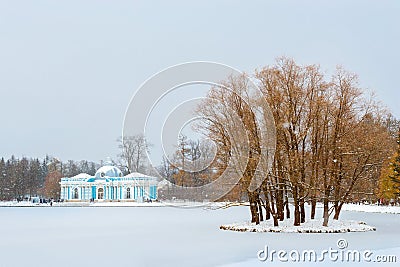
<point>167,236</point>
<point>372,208</point>
<point>348,207</point>
<point>310,226</point>
<point>176,203</point>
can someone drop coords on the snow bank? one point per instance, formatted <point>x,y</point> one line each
<point>312,226</point>
<point>183,204</point>
<point>17,204</point>
<point>372,208</point>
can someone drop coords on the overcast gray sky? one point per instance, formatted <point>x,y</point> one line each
<point>69,68</point>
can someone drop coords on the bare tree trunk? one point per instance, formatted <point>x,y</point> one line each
<point>274,212</point>
<point>279,203</point>
<point>267,212</point>
<point>313,206</point>
<point>296,207</point>
<point>260,209</point>
<point>253,199</point>
<point>302,210</point>
<point>276,222</point>
<point>326,211</point>
<point>338,208</point>
<point>287,204</point>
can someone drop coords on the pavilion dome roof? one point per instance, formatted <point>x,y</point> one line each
<point>108,171</point>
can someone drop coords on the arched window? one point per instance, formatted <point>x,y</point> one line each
<point>76,195</point>
<point>100,193</point>
<point>128,193</point>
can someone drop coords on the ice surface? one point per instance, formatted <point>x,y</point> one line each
<point>162,236</point>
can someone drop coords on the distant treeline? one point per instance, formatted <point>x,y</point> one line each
<point>27,177</point>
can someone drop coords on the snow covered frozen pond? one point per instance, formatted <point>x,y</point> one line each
<point>164,236</point>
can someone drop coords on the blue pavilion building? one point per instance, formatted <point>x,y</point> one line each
<point>109,184</point>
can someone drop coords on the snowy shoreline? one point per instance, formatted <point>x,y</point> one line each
<point>372,208</point>
<point>24,204</point>
<point>213,205</point>
<point>315,226</point>
<point>311,226</point>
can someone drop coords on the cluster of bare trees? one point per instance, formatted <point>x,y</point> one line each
<point>189,166</point>
<point>34,177</point>
<point>133,153</point>
<point>331,139</point>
